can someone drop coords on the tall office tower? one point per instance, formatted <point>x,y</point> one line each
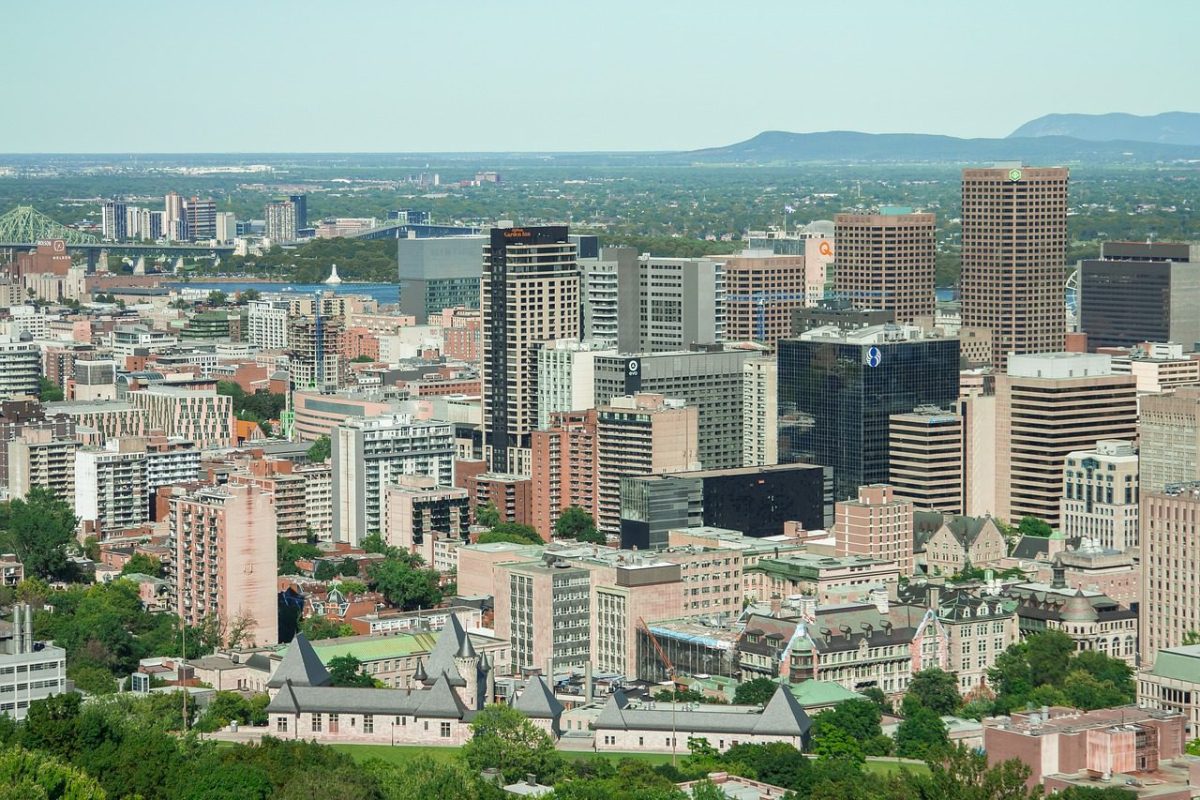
<point>878,525</point>
<point>670,304</point>
<point>1100,495</point>
<point>814,241</point>
<point>1014,235</point>
<point>20,367</point>
<point>1169,438</point>
<point>925,459</point>
<point>530,297</point>
<point>563,469</point>
<point>110,487</point>
<point>978,415</point>
<point>281,222</point>
<point>226,226</point>
<point>300,203</point>
<point>1140,292</point>
<point>113,221</point>
<point>39,458</point>
<point>599,285</point>
<point>760,412</point>
<point>1170,564</point>
<point>886,260</point>
<point>369,453</point>
<point>223,561</point>
<point>644,434</point>
<point>708,378</point>
<point>761,292</point>
<point>566,377</point>
<point>174,220</point>
<point>316,354</point>
<point>267,324</point>
<point>839,387</point>
<point>133,223</point>
<point>1048,405</point>
<point>152,225</point>
<point>201,218</point>
<point>438,273</point>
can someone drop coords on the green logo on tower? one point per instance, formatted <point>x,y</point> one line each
<point>1014,174</point>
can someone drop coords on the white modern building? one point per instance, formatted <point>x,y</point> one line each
<point>760,412</point>
<point>267,324</point>
<point>20,367</point>
<point>110,487</point>
<point>1100,495</point>
<point>29,670</point>
<point>566,377</point>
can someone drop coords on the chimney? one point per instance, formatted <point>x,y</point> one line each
<point>28,628</point>
<point>880,598</point>
<point>531,779</point>
<point>17,636</point>
<point>587,681</point>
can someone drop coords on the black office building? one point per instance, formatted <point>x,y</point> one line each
<point>1141,292</point>
<point>300,203</point>
<point>754,500</point>
<point>837,389</point>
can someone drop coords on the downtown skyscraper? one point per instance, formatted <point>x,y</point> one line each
<point>1014,235</point>
<point>530,296</point>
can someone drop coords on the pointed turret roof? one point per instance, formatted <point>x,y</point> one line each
<point>441,701</point>
<point>783,716</point>
<point>441,658</point>
<point>419,672</point>
<point>466,649</point>
<point>537,701</point>
<point>301,666</point>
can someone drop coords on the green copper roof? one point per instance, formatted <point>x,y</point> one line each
<point>1178,663</point>
<point>377,647</point>
<point>822,693</point>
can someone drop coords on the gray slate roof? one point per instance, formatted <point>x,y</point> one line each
<point>301,665</point>
<point>441,658</point>
<point>438,701</point>
<point>537,701</point>
<point>782,716</point>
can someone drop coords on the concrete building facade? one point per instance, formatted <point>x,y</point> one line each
<point>925,458</point>
<point>886,260</point>
<point>1100,495</point>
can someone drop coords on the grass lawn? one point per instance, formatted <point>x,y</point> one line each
<point>404,754</point>
<point>890,767</point>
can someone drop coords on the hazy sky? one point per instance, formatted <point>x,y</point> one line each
<point>367,75</point>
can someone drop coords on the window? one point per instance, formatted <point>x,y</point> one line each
<point>445,730</point>
<point>333,723</point>
<point>281,725</point>
<point>316,723</point>
<point>368,723</point>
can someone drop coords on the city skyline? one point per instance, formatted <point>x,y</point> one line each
<point>629,71</point>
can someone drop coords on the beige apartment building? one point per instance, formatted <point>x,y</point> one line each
<point>1170,600</point>
<point>760,412</point>
<point>925,458</point>
<point>1169,438</point>
<point>977,413</point>
<point>223,560</point>
<point>1014,236</point>
<point>417,512</point>
<point>1049,405</point>
<point>39,458</point>
<point>761,290</point>
<point>530,296</point>
<point>1100,495</point>
<point>877,525</point>
<point>644,434</point>
<point>886,261</point>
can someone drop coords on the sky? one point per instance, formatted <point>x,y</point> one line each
<point>437,75</point>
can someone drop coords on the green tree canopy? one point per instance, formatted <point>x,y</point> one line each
<point>754,692</point>
<point>405,583</point>
<point>575,523</point>
<point>317,627</point>
<point>936,689</point>
<point>319,451</point>
<point>48,390</point>
<point>504,739</point>
<point>487,515</point>
<point>140,563</point>
<point>858,719</point>
<point>921,734</point>
<point>348,671</point>
<point>37,776</point>
<point>1032,526</point>
<point>39,529</point>
<point>514,532</point>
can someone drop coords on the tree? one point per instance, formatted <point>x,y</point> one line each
<point>487,515</point>
<point>858,719</point>
<point>876,696</point>
<point>347,671</point>
<point>936,690</point>
<point>754,692</point>
<point>362,359</point>
<point>38,529</point>
<point>92,678</point>
<point>504,739</point>
<point>217,298</point>
<point>424,777</point>
<point>349,587</point>
<point>320,450</point>
<point>575,523</point>
<point>960,773</point>
<point>1032,526</point>
<point>514,532</point>
<point>288,552</point>
<point>37,776</point>
<point>406,584</point>
<point>1049,655</point>
<point>48,390</point>
<point>247,296</point>
<point>374,543</point>
<point>921,734</point>
<point>836,743</point>
<point>317,627</point>
<point>140,563</point>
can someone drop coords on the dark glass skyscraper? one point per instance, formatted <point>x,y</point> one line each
<point>837,389</point>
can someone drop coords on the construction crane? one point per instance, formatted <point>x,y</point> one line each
<point>662,656</point>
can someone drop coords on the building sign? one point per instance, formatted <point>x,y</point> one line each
<point>874,356</point>
<point>633,375</point>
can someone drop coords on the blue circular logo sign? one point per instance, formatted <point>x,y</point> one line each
<point>874,356</point>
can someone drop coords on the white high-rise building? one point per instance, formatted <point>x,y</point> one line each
<point>760,412</point>
<point>369,453</point>
<point>267,324</point>
<point>226,226</point>
<point>566,376</point>
<point>110,488</point>
<point>281,222</point>
<point>670,304</point>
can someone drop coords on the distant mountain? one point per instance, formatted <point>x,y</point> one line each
<point>832,146</point>
<point>1173,127</point>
